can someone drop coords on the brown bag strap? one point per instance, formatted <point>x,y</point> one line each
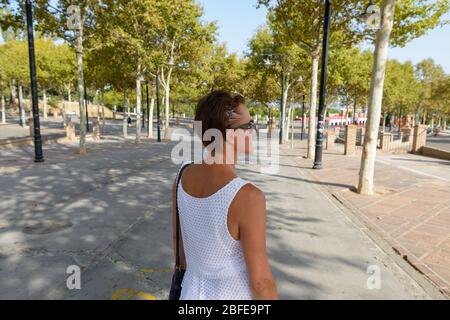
<point>177,218</point>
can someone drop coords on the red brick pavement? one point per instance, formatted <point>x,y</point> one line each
<point>410,211</point>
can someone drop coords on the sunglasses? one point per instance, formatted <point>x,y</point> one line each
<point>249,125</point>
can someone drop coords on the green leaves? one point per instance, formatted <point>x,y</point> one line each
<point>414,18</point>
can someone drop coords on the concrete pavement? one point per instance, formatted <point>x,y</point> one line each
<point>109,213</point>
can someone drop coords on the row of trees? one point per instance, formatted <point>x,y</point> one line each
<point>120,44</point>
<point>419,89</point>
<point>55,69</point>
<point>300,24</point>
<point>114,46</point>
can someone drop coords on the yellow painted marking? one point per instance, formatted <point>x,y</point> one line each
<point>129,294</point>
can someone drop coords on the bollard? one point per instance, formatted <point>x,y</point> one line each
<point>70,130</point>
<point>31,126</point>
<point>350,139</point>
<point>96,130</point>
<point>331,137</point>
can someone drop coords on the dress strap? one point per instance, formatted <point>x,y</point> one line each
<point>184,164</point>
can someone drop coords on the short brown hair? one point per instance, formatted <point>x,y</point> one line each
<point>212,110</point>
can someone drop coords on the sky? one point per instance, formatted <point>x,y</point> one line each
<point>239,19</point>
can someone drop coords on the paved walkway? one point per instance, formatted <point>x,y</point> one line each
<point>109,213</point>
<point>410,210</point>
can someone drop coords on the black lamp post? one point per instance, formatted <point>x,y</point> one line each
<point>323,83</point>
<point>282,111</point>
<point>86,105</point>
<point>303,118</point>
<point>158,125</point>
<point>38,155</point>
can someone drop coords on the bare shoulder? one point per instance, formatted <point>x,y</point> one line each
<point>251,192</point>
<point>250,199</point>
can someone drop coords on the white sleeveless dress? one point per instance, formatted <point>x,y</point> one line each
<point>215,265</point>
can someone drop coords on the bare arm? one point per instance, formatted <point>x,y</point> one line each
<point>174,228</point>
<point>251,206</point>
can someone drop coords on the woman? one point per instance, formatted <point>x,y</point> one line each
<point>222,217</point>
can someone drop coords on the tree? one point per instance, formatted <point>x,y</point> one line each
<point>415,17</point>
<point>400,93</point>
<point>300,23</point>
<point>441,102</point>
<point>180,41</point>
<point>132,29</point>
<point>63,71</point>
<point>45,59</point>
<point>15,67</point>
<point>270,58</point>
<point>430,77</point>
<point>109,65</point>
<point>349,77</point>
<point>3,81</point>
<point>73,21</point>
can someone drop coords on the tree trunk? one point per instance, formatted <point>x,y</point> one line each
<point>69,94</point>
<point>2,101</point>
<point>138,103</point>
<point>286,118</point>
<point>63,108</point>
<point>44,98</point>
<point>287,124</point>
<point>167,99</point>
<point>13,92</point>
<point>150,114</point>
<point>346,113</point>
<point>367,170</point>
<point>312,112</point>
<point>292,125</point>
<point>81,102</point>
<point>125,114</point>
<point>21,108</point>
<point>167,106</point>
<point>103,113</point>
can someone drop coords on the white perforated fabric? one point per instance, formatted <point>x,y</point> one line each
<point>215,265</point>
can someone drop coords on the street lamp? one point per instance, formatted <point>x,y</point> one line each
<point>282,102</point>
<point>303,118</point>
<point>323,83</point>
<point>38,155</point>
<point>158,126</point>
<point>282,107</point>
<point>372,16</point>
<point>86,104</point>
